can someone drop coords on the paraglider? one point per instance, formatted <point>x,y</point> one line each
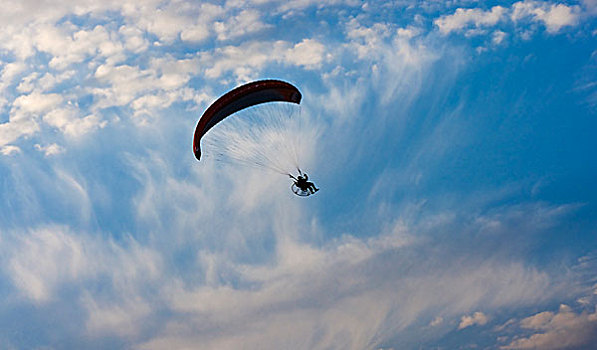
<point>251,139</point>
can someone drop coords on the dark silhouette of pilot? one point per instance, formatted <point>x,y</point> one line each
<point>305,185</point>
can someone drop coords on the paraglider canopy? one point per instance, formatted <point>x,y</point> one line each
<point>242,97</point>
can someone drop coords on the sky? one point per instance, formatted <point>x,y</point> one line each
<point>453,142</point>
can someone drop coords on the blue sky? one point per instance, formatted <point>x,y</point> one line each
<point>453,142</point>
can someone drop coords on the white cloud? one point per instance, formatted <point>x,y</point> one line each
<point>74,50</point>
<point>30,23</point>
<point>68,47</point>
<point>14,129</point>
<point>242,60</point>
<point>246,60</point>
<point>9,150</point>
<point>314,290</point>
<point>409,32</point>
<point>351,293</point>
<point>498,37</point>
<point>163,81</point>
<point>115,318</point>
<point>35,103</point>
<point>50,150</point>
<point>24,115</point>
<point>195,33</point>
<point>562,330</point>
<point>558,16</point>
<point>43,259</point>
<point>436,321</point>
<point>164,23</point>
<point>26,85</point>
<point>291,6</point>
<point>478,318</point>
<point>123,83</point>
<point>44,12</point>
<point>246,22</point>
<point>68,121</point>
<point>396,60</point>
<point>463,18</point>
<point>18,40</point>
<point>49,81</point>
<point>309,53</point>
<point>134,40</point>
<point>367,40</point>
<point>9,72</point>
<point>173,73</point>
<point>553,16</point>
<point>347,293</point>
<point>171,20</point>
